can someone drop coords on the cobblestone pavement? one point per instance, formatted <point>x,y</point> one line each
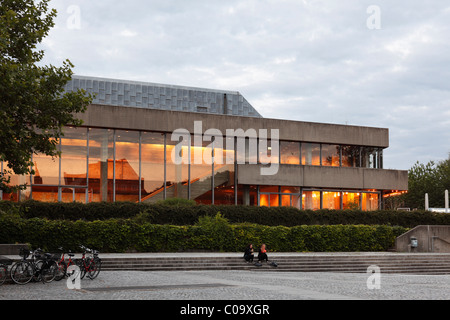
<point>236,285</point>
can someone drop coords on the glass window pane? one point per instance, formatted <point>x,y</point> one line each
<point>101,148</point>
<point>74,156</point>
<point>350,200</point>
<point>268,189</point>
<point>351,156</point>
<point>311,154</point>
<point>152,166</point>
<point>73,194</point>
<point>127,166</point>
<point>45,194</point>
<point>224,173</point>
<point>16,180</point>
<point>201,170</point>
<point>247,195</point>
<point>266,154</point>
<point>369,157</point>
<point>369,201</point>
<point>177,173</point>
<point>247,150</point>
<point>285,200</point>
<point>330,155</point>
<point>331,200</point>
<point>311,200</point>
<point>46,169</point>
<point>290,189</point>
<point>289,152</point>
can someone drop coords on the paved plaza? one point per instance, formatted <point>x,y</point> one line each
<point>237,285</point>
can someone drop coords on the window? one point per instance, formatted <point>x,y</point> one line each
<point>289,152</point>
<point>101,155</point>
<point>330,155</point>
<point>311,200</point>
<point>152,166</point>
<point>311,154</point>
<point>351,156</point>
<point>331,200</point>
<point>127,181</point>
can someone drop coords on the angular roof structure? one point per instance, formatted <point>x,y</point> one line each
<point>163,96</point>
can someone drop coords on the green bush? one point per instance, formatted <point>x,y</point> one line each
<point>210,233</point>
<point>183,212</point>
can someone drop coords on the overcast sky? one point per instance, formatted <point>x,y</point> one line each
<point>369,63</point>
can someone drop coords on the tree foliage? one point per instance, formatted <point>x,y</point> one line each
<point>33,106</point>
<point>432,178</point>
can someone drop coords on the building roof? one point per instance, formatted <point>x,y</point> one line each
<point>162,96</point>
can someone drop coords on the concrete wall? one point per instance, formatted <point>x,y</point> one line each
<point>167,121</point>
<point>326,177</point>
<point>429,238</point>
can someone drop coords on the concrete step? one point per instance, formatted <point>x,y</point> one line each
<point>418,264</point>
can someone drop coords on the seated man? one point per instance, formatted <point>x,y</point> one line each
<point>248,254</point>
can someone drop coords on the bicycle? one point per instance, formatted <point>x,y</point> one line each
<point>39,268</point>
<point>89,265</point>
<point>63,265</point>
<point>4,263</point>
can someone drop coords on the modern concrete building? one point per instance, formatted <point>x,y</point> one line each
<point>128,150</point>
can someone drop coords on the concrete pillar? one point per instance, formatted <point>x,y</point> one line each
<point>426,201</point>
<point>446,201</point>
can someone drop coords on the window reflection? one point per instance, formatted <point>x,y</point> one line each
<point>127,182</point>
<point>101,157</point>
<point>74,157</point>
<point>224,173</point>
<point>330,155</point>
<point>351,156</point>
<point>289,152</point>
<point>177,175</point>
<point>152,166</point>
<point>311,154</point>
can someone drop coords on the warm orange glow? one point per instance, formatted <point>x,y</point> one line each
<point>394,193</point>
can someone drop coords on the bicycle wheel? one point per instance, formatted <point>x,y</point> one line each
<point>37,271</point>
<point>48,271</point>
<point>22,272</point>
<point>61,271</point>
<point>93,269</point>
<point>3,273</point>
<point>98,266</point>
<point>81,264</point>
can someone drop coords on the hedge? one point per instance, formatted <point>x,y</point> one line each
<point>189,214</point>
<point>210,234</point>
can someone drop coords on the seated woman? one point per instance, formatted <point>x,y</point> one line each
<point>262,255</point>
<point>248,254</point>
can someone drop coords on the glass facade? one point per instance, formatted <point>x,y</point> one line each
<point>289,152</point>
<point>100,164</point>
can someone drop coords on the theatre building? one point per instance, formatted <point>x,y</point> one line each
<point>145,142</point>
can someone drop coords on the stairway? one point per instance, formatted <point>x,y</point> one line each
<point>198,186</point>
<point>390,263</point>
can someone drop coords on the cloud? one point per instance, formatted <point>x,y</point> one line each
<point>308,60</point>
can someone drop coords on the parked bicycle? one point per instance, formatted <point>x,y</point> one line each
<point>90,264</point>
<point>4,263</point>
<point>41,267</point>
<point>63,265</point>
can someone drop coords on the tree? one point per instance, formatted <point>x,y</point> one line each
<point>432,178</point>
<point>33,106</point>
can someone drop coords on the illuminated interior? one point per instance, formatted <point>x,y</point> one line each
<point>99,164</point>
